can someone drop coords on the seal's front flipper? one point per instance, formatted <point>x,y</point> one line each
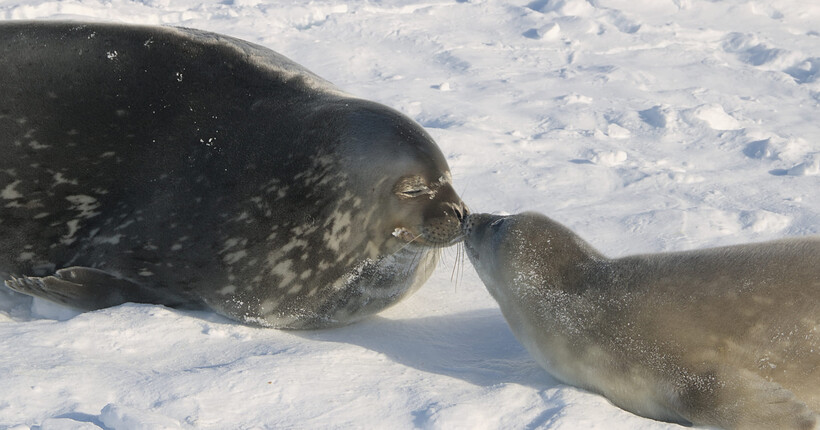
<point>79,287</point>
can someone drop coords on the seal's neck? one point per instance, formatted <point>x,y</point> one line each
<point>555,258</point>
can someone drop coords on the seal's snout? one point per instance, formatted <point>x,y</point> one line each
<point>473,223</point>
<point>475,229</point>
<point>461,211</point>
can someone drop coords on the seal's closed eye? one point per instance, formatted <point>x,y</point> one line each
<point>200,169</point>
<point>667,336</point>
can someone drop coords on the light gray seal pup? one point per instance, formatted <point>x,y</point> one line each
<point>726,337</point>
<point>186,168</point>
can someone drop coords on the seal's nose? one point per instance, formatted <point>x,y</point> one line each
<point>452,203</point>
<point>461,211</point>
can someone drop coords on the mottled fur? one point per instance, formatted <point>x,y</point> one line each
<point>187,168</point>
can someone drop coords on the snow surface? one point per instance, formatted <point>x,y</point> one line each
<point>644,125</point>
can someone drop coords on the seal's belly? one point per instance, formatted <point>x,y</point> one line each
<point>576,361</point>
<point>369,288</point>
<point>188,167</point>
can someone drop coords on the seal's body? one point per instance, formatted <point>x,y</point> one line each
<point>186,168</point>
<point>726,337</point>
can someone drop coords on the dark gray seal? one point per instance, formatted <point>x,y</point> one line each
<point>726,337</point>
<point>186,168</point>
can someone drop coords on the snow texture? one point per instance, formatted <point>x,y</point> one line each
<point>643,125</point>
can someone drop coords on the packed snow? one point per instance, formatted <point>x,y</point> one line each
<point>643,125</point>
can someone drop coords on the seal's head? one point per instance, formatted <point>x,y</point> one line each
<point>529,246</point>
<point>492,243</point>
<point>426,210</point>
<point>376,205</point>
<point>399,171</point>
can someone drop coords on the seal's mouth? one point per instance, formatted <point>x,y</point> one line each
<point>439,227</point>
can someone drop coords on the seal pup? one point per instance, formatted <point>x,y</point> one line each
<point>726,337</point>
<point>186,168</point>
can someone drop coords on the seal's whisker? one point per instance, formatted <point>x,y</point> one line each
<point>457,272</point>
<point>408,243</point>
<point>463,192</point>
<point>460,256</point>
<point>454,271</point>
<point>444,257</point>
<point>299,201</point>
<point>416,255</point>
<point>407,269</point>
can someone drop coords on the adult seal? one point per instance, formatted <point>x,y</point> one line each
<point>726,337</point>
<point>186,168</point>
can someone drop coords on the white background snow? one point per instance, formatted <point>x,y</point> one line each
<point>644,125</point>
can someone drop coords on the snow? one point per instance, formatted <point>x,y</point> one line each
<point>643,125</point>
